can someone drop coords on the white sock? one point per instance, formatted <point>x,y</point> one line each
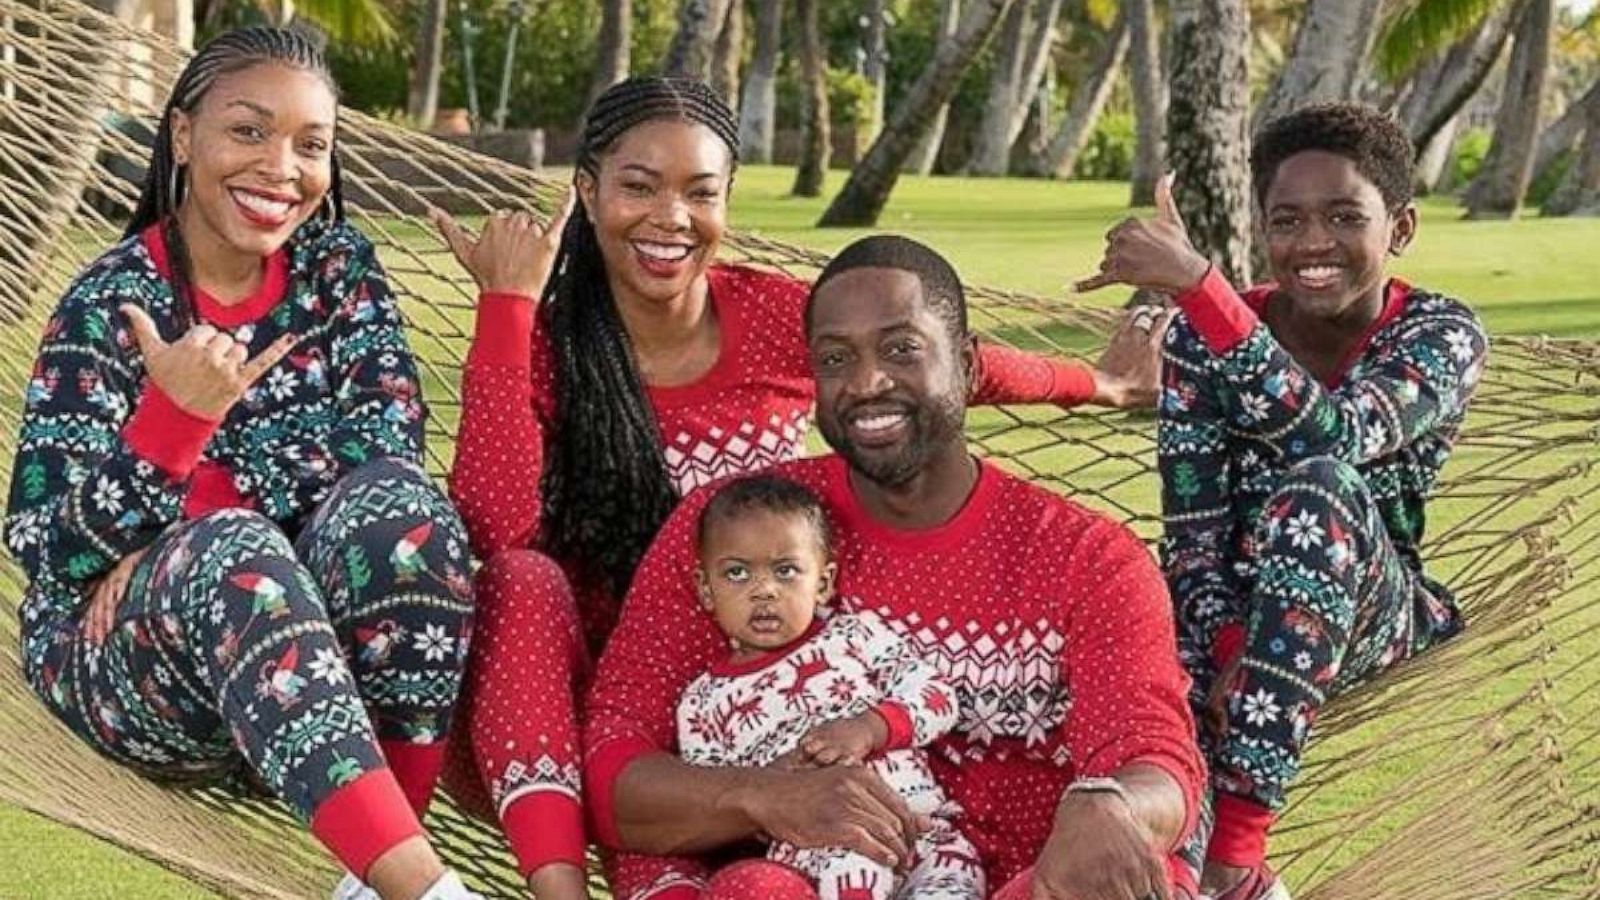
<point>449,887</point>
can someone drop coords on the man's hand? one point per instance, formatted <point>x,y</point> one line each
<point>844,741</point>
<point>513,255</point>
<point>1128,375</point>
<point>206,371</point>
<point>100,616</point>
<point>839,806</point>
<point>1099,850</point>
<point>1151,253</point>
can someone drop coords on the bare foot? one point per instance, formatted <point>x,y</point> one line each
<point>1218,879</point>
<point>559,881</point>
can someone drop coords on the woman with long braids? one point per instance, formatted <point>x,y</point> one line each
<point>238,572</point>
<point>646,371</point>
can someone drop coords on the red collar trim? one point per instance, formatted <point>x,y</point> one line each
<point>1398,291</point>
<point>727,667</point>
<point>274,285</point>
<point>967,521</point>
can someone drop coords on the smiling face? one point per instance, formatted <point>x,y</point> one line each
<point>259,155</point>
<point>1328,233</point>
<point>891,379</point>
<point>659,207</point>
<point>762,575</point>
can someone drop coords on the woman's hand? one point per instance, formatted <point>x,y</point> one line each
<point>106,595</point>
<point>1154,254</point>
<point>206,371</point>
<point>1128,375</point>
<point>514,255</point>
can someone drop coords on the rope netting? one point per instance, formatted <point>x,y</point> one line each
<point>1468,772</point>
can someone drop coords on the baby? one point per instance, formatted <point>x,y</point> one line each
<point>837,691</point>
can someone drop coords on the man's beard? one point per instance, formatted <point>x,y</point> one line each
<point>932,428</point>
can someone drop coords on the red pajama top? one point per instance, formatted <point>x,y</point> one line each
<point>749,411</point>
<point>1051,622</point>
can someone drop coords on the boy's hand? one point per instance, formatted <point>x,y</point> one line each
<point>1151,253</point>
<point>845,741</point>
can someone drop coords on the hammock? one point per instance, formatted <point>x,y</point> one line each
<point>1469,772</point>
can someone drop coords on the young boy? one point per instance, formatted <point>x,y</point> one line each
<point>798,689</point>
<point>1302,427</point>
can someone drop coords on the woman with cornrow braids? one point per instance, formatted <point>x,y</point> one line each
<point>615,367</point>
<point>238,571</point>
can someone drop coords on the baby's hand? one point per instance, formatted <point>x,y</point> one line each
<point>845,741</point>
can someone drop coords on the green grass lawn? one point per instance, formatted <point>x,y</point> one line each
<point>1531,277</point>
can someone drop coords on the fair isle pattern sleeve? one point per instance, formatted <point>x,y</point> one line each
<point>1197,473</point>
<point>1416,379</point>
<point>82,496</point>
<point>918,704</point>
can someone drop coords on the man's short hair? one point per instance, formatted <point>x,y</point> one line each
<point>1366,136</point>
<point>941,286</point>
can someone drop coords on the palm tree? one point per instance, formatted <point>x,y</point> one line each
<point>1207,142</point>
<point>422,100</point>
<point>612,59</point>
<point>725,54</point>
<point>814,150</point>
<point>1024,51</point>
<point>758,106</point>
<point>1149,100</point>
<point>1501,184</point>
<point>1443,84</point>
<point>1579,192</point>
<point>873,180</point>
<point>699,23</point>
<point>1057,158</point>
<point>1329,57</point>
<point>926,153</point>
<point>361,22</point>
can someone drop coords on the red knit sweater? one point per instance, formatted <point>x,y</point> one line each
<point>749,411</point>
<point>1051,621</point>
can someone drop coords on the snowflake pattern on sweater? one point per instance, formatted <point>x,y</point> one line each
<point>86,490</point>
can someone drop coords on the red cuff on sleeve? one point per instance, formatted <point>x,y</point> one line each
<point>1073,383</point>
<point>364,820</point>
<point>165,434</point>
<point>502,334</point>
<point>602,767</point>
<point>1240,835</point>
<point>544,827</point>
<point>1228,645</point>
<point>902,733</point>
<point>1218,314</point>
<point>211,488</point>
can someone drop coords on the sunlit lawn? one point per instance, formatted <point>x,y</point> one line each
<point>1529,277</point>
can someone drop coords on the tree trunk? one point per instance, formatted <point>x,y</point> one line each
<point>1563,134</point>
<point>1498,191</point>
<point>725,56</point>
<point>1579,193</point>
<point>1025,41</point>
<point>613,49</point>
<point>1329,57</point>
<point>1207,121</point>
<point>814,150</point>
<point>1057,159</point>
<point>422,99</point>
<point>1459,76</point>
<point>926,153</point>
<point>758,109</point>
<point>865,194</point>
<point>1149,100</point>
<point>694,43</point>
<point>1434,160</point>
<point>876,67</point>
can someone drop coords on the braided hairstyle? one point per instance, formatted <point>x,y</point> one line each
<point>605,489</point>
<point>231,52</point>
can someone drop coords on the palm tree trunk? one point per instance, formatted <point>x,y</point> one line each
<point>1459,76</point>
<point>422,99</point>
<point>1562,135</point>
<point>758,106</point>
<point>1207,140</point>
<point>1579,193</point>
<point>613,49</point>
<point>1329,57</point>
<point>1025,41</point>
<point>873,180</point>
<point>1499,189</point>
<point>694,43</point>
<point>1058,158</point>
<point>876,69</point>
<point>814,150</point>
<point>1149,100</point>
<point>926,153</point>
<point>725,55</point>
<point>1435,158</point>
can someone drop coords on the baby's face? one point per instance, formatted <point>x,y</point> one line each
<point>762,575</point>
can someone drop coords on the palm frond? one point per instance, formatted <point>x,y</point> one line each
<point>363,22</point>
<point>1417,29</point>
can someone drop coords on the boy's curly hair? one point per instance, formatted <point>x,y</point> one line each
<point>1371,139</point>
